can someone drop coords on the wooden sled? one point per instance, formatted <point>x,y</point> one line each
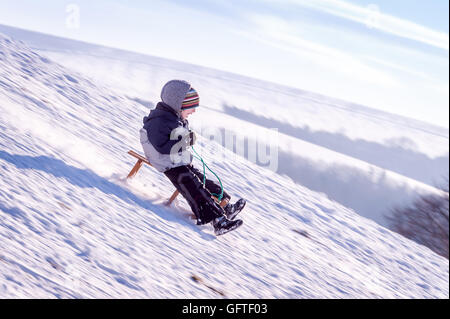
<point>141,160</point>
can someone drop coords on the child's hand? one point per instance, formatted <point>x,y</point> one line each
<point>192,137</point>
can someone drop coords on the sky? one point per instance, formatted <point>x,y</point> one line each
<point>389,55</point>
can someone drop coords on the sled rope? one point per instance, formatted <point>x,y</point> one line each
<point>219,196</point>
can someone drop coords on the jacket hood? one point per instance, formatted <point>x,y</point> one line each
<point>161,110</point>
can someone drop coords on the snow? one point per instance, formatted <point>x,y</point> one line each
<point>72,227</point>
<point>367,160</point>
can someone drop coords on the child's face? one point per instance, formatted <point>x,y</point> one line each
<point>186,113</point>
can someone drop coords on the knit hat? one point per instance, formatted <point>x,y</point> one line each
<point>179,95</point>
<point>191,100</point>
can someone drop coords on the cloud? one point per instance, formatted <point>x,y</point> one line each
<point>283,35</point>
<point>404,69</point>
<point>372,17</point>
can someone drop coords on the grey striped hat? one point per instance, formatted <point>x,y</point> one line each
<point>174,92</point>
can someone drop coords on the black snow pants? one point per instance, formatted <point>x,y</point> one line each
<point>189,182</point>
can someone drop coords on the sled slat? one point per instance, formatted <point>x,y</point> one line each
<point>135,169</point>
<point>139,157</point>
<point>172,198</point>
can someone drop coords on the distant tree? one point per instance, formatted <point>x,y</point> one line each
<point>425,221</point>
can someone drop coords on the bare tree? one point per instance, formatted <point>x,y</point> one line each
<point>426,221</point>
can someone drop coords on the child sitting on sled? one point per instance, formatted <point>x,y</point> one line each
<point>166,139</point>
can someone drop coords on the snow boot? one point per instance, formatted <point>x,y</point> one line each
<point>223,225</point>
<point>231,210</point>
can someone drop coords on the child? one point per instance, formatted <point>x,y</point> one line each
<point>166,138</point>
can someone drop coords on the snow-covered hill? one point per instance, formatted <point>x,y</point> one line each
<point>367,160</point>
<point>70,226</point>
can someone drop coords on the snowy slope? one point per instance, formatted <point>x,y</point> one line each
<point>367,160</point>
<point>71,227</point>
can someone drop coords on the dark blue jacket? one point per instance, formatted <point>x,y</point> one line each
<point>159,124</point>
<point>156,138</point>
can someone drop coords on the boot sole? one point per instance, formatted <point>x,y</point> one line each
<point>234,216</point>
<point>224,231</point>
